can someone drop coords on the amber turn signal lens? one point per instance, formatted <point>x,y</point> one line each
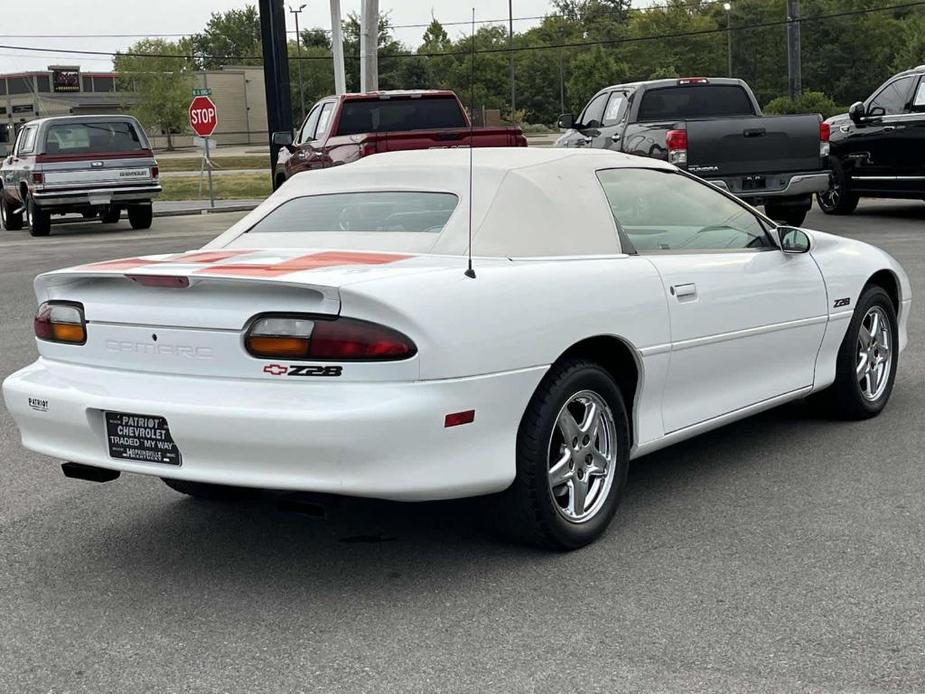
<point>266,346</point>
<point>65,332</point>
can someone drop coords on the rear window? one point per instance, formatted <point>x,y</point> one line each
<point>366,212</point>
<point>694,101</point>
<point>92,138</point>
<point>385,115</point>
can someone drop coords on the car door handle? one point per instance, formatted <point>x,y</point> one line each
<point>681,291</point>
<point>616,137</point>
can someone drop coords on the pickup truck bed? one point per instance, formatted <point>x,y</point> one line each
<point>714,128</point>
<point>342,129</point>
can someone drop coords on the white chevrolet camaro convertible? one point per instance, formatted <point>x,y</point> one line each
<point>332,340</point>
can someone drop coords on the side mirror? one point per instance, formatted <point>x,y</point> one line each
<point>282,138</point>
<point>793,240</point>
<point>857,112</point>
<point>566,121</point>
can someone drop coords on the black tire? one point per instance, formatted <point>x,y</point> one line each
<point>140,216</point>
<point>529,509</point>
<point>10,221</point>
<point>838,199</point>
<point>39,219</point>
<point>791,216</point>
<point>110,215</point>
<point>203,490</point>
<point>845,398</point>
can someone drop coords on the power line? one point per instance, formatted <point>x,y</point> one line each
<point>578,44</point>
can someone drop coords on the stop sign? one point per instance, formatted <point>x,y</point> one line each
<point>203,116</point>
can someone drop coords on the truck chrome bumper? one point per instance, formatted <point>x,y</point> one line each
<point>96,196</point>
<point>798,184</point>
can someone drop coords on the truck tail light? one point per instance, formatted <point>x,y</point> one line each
<point>155,172</point>
<point>38,177</point>
<point>61,321</point>
<point>341,339</point>
<point>824,131</point>
<point>676,141</point>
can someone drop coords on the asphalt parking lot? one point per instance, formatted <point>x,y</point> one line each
<point>784,553</point>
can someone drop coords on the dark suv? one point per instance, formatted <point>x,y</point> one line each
<point>878,147</point>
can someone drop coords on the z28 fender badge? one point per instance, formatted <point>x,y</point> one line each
<point>839,303</point>
<point>298,370</point>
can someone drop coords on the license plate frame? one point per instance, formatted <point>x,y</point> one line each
<point>140,438</point>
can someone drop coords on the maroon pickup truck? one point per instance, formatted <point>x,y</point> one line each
<point>342,129</point>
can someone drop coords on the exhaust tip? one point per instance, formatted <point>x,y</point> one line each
<point>90,473</point>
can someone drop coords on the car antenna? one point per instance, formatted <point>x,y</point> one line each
<point>469,271</point>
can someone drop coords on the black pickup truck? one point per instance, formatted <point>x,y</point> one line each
<point>713,128</point>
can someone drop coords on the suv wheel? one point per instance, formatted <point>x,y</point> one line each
<point>11,221</point>
<point>139,216</point>
<point>39,219</point>
<point>838,199</point>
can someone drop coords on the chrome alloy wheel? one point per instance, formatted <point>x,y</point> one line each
<point>875,353</point>
<point>831,197</point>
<point>582,456</point>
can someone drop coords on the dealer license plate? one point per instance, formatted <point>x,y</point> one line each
<point>141,438</point>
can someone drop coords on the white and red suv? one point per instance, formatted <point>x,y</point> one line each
<point>93,165</point>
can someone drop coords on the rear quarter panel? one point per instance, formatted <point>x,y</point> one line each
<point>526,314</point>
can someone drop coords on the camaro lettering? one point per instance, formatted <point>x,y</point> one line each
<point>839,303</point>
<point>153,349</point>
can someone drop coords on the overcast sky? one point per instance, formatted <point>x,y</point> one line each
<point>80,19</point>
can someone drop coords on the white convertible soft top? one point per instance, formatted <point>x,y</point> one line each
<point>526,202</point>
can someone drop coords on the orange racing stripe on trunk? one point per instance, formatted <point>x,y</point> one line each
<point>312,261</point>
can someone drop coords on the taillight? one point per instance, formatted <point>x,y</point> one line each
<point>824,131</point>
<point>155,171</point>
<point>676,140</point>
<point>38,177</point>
<point>60,321</point>
<point>341,339</point>
<point>693,80</point>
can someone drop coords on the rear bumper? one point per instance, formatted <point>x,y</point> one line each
<point>384,440</point>
<point>779,185</point>
<point>66,197</point>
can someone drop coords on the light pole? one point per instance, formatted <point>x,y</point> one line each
<point>510,48</point>
<point>728,7</point>
<point>298,49</point>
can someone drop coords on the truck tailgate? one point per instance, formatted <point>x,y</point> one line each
<point>449,137</point>
<point>753,145</point>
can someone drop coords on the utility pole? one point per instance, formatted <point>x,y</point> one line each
<point>275,72</point>
<point>298,50</point>
<point>794,64</point>
<point>369,44</point>
<point>337,49</point>
<point>728,7</point>
<point>510,48</point>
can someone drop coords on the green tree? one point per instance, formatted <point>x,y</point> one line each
<point>161,82</point>
<point>235,34</point>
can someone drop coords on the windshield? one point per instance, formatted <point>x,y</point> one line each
<point>91,138</point>
<point>384,115</point>
<point>363,212</point>
<point>694,101</point>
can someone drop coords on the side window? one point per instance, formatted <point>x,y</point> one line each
<point>615,107</point>
<point>893,97</point>
<point>593,114</point>
<point>26,141</point>
<point>307,133</point>
<point>918,103</point>
<point>665,211</point>
<point>324,120</point>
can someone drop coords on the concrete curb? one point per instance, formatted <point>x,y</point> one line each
<point>243,207</point>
